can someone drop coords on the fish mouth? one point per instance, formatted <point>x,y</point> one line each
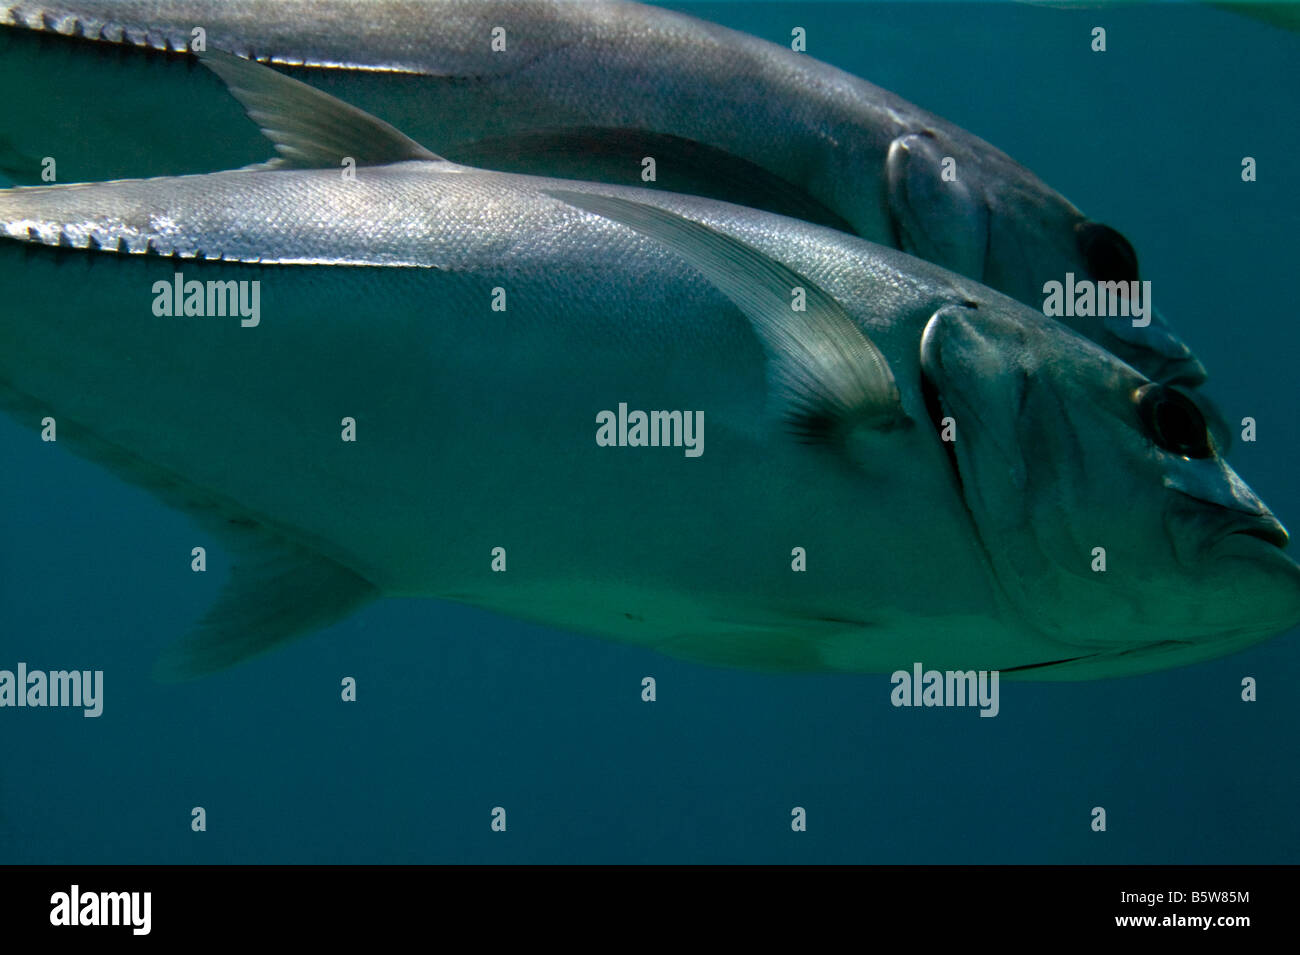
<point>1221,528</point>
<point>1266,529</point>
<point>1261,542</point>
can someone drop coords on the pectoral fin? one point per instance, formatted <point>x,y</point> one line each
<point>766,649</point>
<point>829,378</point>
<point>799,644</point>
<point>310,129</point>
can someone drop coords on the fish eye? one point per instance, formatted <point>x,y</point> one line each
<point>1174,421</point>
<point>1109,256</point>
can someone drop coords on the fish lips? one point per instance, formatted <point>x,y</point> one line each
<point>1221,531</point>
<point>1236,562</point>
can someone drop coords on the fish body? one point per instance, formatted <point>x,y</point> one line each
<point>477,430</point>
<point>591,90</point>
<point>422,379</point>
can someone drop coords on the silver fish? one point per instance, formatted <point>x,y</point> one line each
<point>819,379</point>
<point>586,90</point>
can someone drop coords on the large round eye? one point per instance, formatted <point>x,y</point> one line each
<point>1173,421</point>
<point>1108,254</point>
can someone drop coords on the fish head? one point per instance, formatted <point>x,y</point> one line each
<point>974,210</point>
<point>1111,521</point>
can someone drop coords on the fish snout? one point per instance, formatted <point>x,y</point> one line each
<point>1154,350</point>
<point>1212,482</point>
<point>1264,527</point>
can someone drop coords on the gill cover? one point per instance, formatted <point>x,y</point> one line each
<point>956,344</point>
<point>983,369</point>
<point>942,220</point>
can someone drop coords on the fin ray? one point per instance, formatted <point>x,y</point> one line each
<point>279,587</point>
<point>310,129</point>
<point>829,377</point>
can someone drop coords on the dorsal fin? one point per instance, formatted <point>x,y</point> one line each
<point>310,129</point>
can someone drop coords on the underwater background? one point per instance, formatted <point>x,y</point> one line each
<point>459,711</point>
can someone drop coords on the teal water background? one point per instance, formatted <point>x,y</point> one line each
<point>460,711</point>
